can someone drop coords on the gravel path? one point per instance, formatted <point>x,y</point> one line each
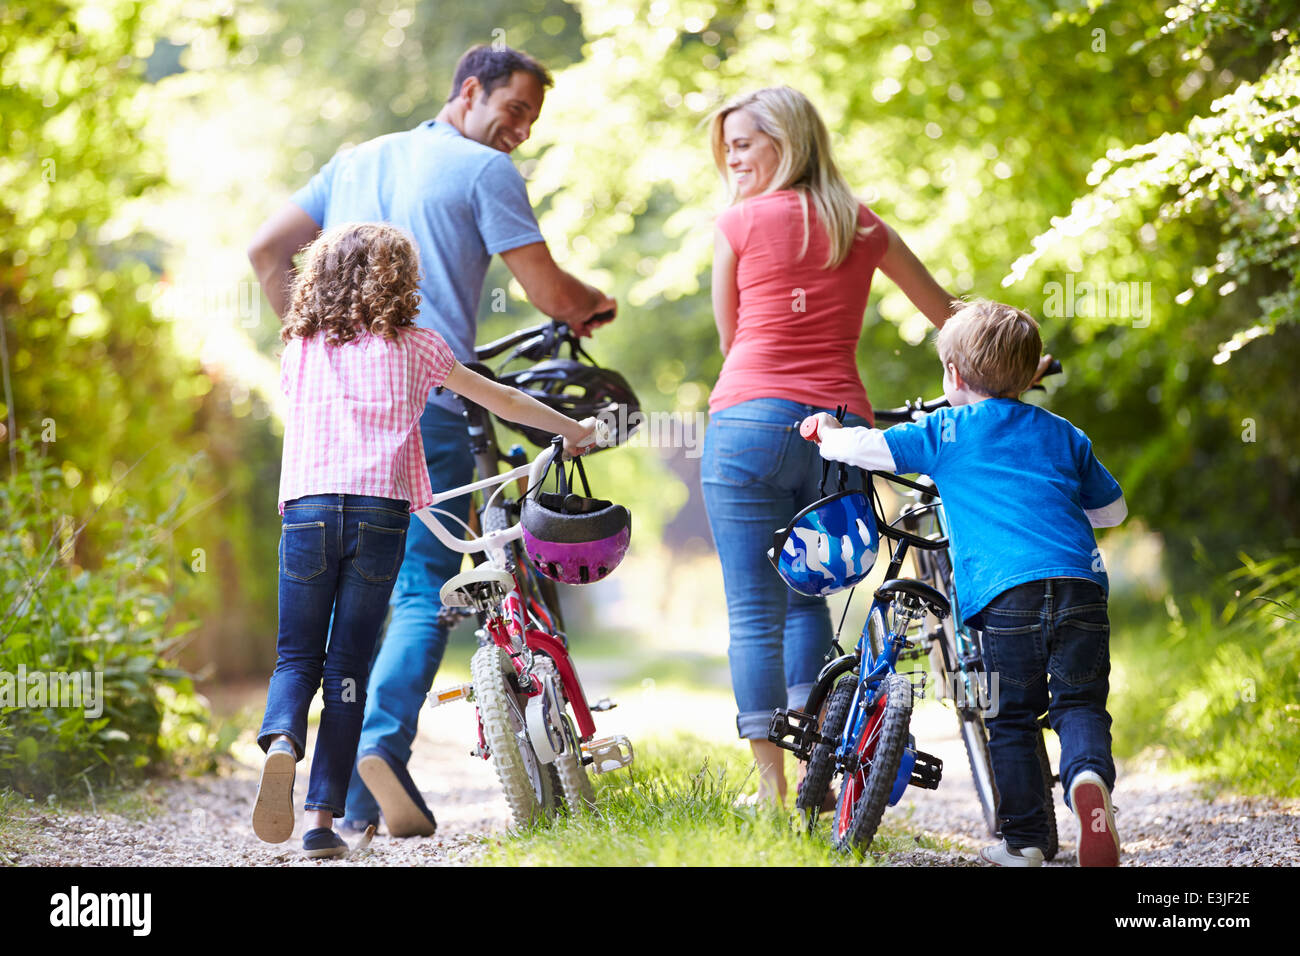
<point>1164,820</point>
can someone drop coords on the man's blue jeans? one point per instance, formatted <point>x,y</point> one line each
<point>339,555</point>
<point>1048,642</point>
<point>413,645</point>
<point>757,473</point>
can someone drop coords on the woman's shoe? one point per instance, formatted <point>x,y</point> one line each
<point>273,811</point>
<point>323,842</point>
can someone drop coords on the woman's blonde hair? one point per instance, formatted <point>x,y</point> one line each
<point>805,166</point>
<point>356,278</point>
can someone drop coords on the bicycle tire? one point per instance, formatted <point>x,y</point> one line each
<point>974,735</point>
<point>575,782</point>
<point>529,785</point>
<point>821,764</point>
<point>863,796</point>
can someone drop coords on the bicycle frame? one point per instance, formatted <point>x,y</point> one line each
<point>508,625</point>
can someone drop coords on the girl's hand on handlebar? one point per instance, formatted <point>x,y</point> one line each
<point>814,426</point>
<point>586,434</point>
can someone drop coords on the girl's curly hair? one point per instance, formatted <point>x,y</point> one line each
<point>356,278</point>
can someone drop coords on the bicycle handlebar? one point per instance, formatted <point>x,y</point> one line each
<point>496,540</point>
<point>537,342</point>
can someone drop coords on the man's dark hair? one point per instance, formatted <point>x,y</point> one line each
<point>494,66</point>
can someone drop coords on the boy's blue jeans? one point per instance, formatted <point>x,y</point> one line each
<point>413,644</point>
<point>1048,642</point>
<point>339,555</point>
<point>757,473</point>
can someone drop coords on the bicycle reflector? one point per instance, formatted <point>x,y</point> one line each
<point>829,546</point>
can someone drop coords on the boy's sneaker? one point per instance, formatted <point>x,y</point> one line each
<point>1003,855</point>
<point>405,812</point>
<point>273,811</point>
<point>1098,837</point>
<point>323,842</point>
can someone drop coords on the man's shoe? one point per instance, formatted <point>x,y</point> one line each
<point>323,842</point>
<point>1003,855</point>
<point>405,812</point>
<point>273,811</point>
<point>1098,836</point>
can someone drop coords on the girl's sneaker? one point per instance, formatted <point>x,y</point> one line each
<point>273,811</point>
<point>1003,855</point>
<point>323,842</point>
<point>1098,837</point>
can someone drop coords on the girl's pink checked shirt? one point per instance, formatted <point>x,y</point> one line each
<point>352,425</point>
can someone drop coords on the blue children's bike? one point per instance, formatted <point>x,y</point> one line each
<point>857,716</point>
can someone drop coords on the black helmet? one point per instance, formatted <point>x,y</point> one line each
<point>579,391</point>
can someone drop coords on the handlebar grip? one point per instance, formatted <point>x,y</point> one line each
<point>601,316</point>
<point>808,430</point>
<point>1053,368</point>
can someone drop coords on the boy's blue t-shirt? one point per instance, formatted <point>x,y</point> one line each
<point>462,201</point>
<point>1015,481</point>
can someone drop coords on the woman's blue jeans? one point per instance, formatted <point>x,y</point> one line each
<point>339,556</point>
<point>1048,643</point>
<point>757,473</point>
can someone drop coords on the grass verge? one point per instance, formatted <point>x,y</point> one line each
<point>1211,685</point>
<point>677,807</point>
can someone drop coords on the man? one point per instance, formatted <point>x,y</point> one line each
<point>451,184</point>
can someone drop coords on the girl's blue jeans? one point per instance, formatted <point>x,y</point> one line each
<point>339,556</point>
<point>757,473</point>
<point>1048,642</point>
<point>411,649</point>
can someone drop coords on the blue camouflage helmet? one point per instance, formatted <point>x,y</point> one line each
<point>829,546</point>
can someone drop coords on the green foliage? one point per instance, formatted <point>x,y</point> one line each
<point>89,366</point>
<point>112,623</point>
<point>677,807</point>
<point>1216,691</point>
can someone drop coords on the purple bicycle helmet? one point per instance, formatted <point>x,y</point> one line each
<point>570,538</point>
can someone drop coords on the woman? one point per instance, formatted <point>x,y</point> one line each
<point>794,255</point>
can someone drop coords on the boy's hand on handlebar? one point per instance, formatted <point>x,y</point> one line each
<point>586,434</point>
<point>814,426</point>
<point>1043,362</point>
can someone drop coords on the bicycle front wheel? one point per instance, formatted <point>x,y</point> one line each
<point>865,792</point>
<point>530,787</point>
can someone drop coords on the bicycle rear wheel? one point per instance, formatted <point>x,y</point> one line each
<point>866,791</point>
<point>821,765</point>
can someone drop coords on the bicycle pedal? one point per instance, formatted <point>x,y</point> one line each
<point>795,731</point>
<point>926,771</point>
<point>604,704</point>
<point>608,753</point>
<point>437,698</point>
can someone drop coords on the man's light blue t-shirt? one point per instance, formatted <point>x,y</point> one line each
<point>1015,481</point>
<point>462,201</point>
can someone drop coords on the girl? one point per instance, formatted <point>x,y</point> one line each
<point>794,257</point>
<point>356,372</point>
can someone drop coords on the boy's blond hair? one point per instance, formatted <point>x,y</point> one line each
<point>995,347</point>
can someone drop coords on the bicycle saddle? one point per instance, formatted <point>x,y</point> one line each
<point>478,588</point>
<point>918,591</point>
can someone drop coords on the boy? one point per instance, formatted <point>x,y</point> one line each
<point>1023,491</point>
